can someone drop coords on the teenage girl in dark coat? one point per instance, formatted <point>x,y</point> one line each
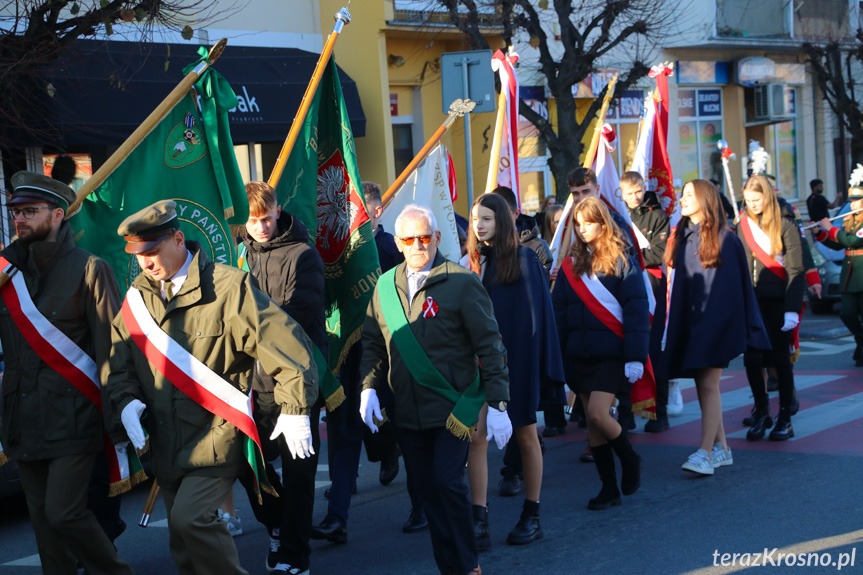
<point>598,361</point>
<point>712,312</point>
<point>779,287</point>
<point>515,281</point>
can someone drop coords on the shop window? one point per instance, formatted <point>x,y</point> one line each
<point>701,128</point>
<point>403,151</point>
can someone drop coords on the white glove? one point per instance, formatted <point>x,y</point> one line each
<point>791,321</point>
<point>499,427</point>
<point>297,430</point>
<point>633,371</point>
<point>131,419</point>
<point>370,408</point>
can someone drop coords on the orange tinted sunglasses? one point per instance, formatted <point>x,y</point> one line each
<point>426,240</point>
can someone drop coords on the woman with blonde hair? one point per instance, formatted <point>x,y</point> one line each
<point>774,256</point>
<point>712,312</point>
<point>603,322</point>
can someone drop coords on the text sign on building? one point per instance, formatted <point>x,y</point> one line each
<point>480,79</point>
<point>629,106</point>
<point>709,102</point>
<point>686,103</point>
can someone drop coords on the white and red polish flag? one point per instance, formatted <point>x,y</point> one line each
<point>506,140</point>
<point>651,150</point>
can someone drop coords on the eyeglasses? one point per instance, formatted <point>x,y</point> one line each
<point>426,240</point>
<point>29,213</point>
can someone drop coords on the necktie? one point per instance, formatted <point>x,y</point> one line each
<point>418,281</point>
<point>169,290</point>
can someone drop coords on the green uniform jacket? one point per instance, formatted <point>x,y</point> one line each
<point>851,278</point>
<point>463,331</point>
<point>220,317</point>
<point>45,416</point>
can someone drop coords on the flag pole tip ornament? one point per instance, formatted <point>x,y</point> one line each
<point>461,107</point>
<point>144,229</point>
<point>758,158</point>
<point>343,16</point>
<point>216,51</point>
<point>727,154</point>
<point>856,181</point>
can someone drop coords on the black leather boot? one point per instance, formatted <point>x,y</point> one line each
<point>783,429</point>
<point>528,528</point>
<point>609,495</point>
<point>630,463</point>
<point>480,528</point>
<point>761,422</point>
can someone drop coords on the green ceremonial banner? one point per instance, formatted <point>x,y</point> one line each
<point>321,185</point>
<point>189,158</point>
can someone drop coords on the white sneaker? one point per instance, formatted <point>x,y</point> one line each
<point>675,398</point>
<point>235,527</point>
<point>699,462</point>
<point>720,457</point>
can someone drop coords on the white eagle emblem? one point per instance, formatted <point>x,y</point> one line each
<point>335,212</point>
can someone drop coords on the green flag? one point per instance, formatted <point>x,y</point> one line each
<point>189,158</point>
<point>321,185</point>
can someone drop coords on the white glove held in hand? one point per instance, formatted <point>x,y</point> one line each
<point>297,430</point>
<point>131,419</point>
<point>370,408</point>
<point>633,371</point>
<point>499,427</point>
<point>791,321</point>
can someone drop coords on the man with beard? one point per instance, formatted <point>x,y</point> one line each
<point>55,326</point>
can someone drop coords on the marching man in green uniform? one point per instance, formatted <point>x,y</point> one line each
<point>430,333</point>
<point>185,344</point>
<point>850,238</point>
<point>55,325</point>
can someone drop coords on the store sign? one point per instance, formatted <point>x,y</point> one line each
<point>756,69</point>
<point>594,84</point>
<point>629,107</point>
<point>686,103</point>
<point>702,72</point>
<point>790,101</point>
<point>709,102</point>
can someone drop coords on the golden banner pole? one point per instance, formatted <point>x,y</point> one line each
<point>456,110</point>
<point>146,127</point>
<point>342,17</point>
<point>497,143</point>
<point>566,238</point>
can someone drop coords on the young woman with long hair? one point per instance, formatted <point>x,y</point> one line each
<point>775,262</point>
<point>603,322</point>
<point>515,281</point>
<point>552,220</point>
<point>712,313</point>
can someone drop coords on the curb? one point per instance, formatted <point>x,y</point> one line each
<point>833,333</point>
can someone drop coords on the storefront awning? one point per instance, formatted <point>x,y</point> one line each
<point>102,91</point>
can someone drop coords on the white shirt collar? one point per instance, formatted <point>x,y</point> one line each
<point>179,277</point>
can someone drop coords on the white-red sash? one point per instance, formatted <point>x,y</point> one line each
<point>759,244</point>
<point>186,372</point>
<point>61,354</point>
<point>643,243</point>
<point>605,307</point>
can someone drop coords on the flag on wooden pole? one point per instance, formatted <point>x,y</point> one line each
<point>504,172</point>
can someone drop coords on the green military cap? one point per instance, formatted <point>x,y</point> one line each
<point>30,187</point>
<point>144,230</point>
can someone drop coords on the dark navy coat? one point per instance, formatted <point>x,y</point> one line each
<point>713,314</point>
<point>582,335</point>
<point>526,321</point>
<point>388,253</point>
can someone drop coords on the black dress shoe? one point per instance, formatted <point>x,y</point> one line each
<point>416,521</point>
<point>657,425</point>
<point>331,529</point>
<point>511,485</point>
<point>553,431</point>
<point>389,470</point>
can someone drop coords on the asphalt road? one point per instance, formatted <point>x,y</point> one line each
<point>798,497</point>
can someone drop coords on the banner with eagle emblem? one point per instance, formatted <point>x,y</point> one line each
<point>321,185</point>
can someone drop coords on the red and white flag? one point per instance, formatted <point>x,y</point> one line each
<point>506,140</point>
<point>651,150</point>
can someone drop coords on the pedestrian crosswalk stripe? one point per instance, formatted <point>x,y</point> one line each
<point>31,561</point>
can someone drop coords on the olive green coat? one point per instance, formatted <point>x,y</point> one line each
<point>851,277</point>
<point>221,317</point>
<point>45,416</point>
<point>460,339</point>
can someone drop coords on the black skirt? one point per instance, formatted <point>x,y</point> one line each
<point>597,374</point>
